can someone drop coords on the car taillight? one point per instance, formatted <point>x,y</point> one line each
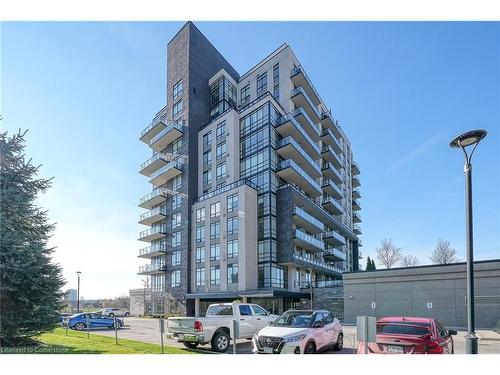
<point>433,348</point>
<point>198,327</point>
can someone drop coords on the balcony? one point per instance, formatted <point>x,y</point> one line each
<point>309,223</point>
<point>309,126</point>
<point>289,171</point>
<point>152,199</point>
<point>331,189</point>
<point>355,205</point>
<point>153,215</point>
<point>150,269</point>
<point>328,122</point>
<point>288,126</point>
<point>329,171</point>
<point>288,148</point>
<point>329,139</point>
<point>166,173</point>
<point>307,242</point>
<point>360,255</point>
<point>165,137</point>
<point>301,99</point>
<point>154,233</point>
<point>334,255</point>
<point>355,168</point>
<point>355,182</point>
<point>152,251</point>
<point>157,161</point>
<point>317,265</point>
<point>334,239</point>
<point>332,205</point>
<point>356,218</point>
<point>156,126</point>
<point>356,194</point>
<point>300,78</point>
<point>356,229</point>
<point>329,155</point>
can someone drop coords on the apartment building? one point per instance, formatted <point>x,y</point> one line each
<point>255,193</point>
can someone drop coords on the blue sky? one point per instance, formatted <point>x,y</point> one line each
<point>400,90</point>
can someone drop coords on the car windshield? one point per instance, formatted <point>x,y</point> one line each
<point>294,320</point>
<point>403,329</point>
<point>215,310</point>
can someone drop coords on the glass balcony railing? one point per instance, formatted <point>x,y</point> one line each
<point>335,236</point>
<point>300,71</point>
<point>158,229</point>
<point>327,200</point>
<point>317,264</point>
<point>151,268</point>
<point>155,193</point>
<point>290,141</point>
<point>300,212</point>
<point>156,121</point>
<point>335,253</point>
<point>309,239</point>
<point>310,143</point>
<point>155,211</point>
<point>156,157</point>
<point>173,164</point>
<point>178,125</point>
<point>153,249</point>
<point>300,91</point>
<point>330,168</point>
<point>327,183</point>
<point>297,112</point>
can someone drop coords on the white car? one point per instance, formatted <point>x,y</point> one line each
<point>300,332</point>
<point>112,311</point>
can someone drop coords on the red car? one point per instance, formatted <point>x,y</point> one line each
<point>406,335</point>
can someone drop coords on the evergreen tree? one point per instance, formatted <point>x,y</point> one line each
<point>30,284</point>
<point>373,267</point>
<point>368,264</point>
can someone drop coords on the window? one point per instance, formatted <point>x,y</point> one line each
<point>259,311</point>
<point>214,275</point>
<point>232,249</point>
<point>200,214</point>
<point>176,220</point>
<point>215,230</point>
<point>328,318</point>
<point>220,151</point>
<point>207,176</point>
<point>177,90</point>
<point>200,276</point>
<point>221,130</point>
<point>215,209</point>
<point>215,251</point>
<point>276,81</point>
<point>176,239</point>
<point>200,234</point>
<point>207,157</point>
<point>245,95</point>
<point>232,275</point>
<point>245,310</point>
<point>177,183</point>
<point>176,258</point>
<point>177,108</point>
<point>221,170</point>
<point>261,84</point>
<point>207,139</point>
<point>176,278</point>
<point>232,203</point>
<point>176,202</point>
<point>232,225</point>
<point>200,254</point>
<point>176,146</point>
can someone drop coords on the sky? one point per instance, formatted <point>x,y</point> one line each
<point>401,92</point>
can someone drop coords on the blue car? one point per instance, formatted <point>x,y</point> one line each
<point>80,321</point>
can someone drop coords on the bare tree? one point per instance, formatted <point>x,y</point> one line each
<point>388,254</point>
<point>408,260</point>
<point>443,253</point>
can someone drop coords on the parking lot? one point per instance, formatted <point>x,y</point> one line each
<point>147,330</point>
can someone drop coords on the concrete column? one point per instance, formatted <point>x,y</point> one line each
<point>197,307</point>
<point>244,299</point>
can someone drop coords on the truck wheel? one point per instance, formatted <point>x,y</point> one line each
<point>220,342</point>
<point>191,345</point>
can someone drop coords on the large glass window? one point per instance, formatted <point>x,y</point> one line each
<point>215,209</point>
<point>176,258</point>
<point>221,170</point>
<point>215,251</point>
<point>214,275</point>
<point>232,249</point>
<point>221,130</point>
<point>176,278</point>
<point>220,151</point>
<point>207,176</point>
<point>176,220</point>
<point>176,239</point>
<point>200,276</point>
<point>200,254</point>
<point>207,157</point>
<point>176,202</point>
<point>276,81</point>
<point>176,146</point>
<point>177,183</point>
<point>222,96</point>
<point>232,225</point>
<point>207,139</point>
<point>232,203</point>
<point>177,90</point>
<point>214,230</point>
<point>261,84</point>
<point>200,233</point>
<point>200,214</point>
<point>245,95</point>
<point>232,273</point>
<point>177,108</point>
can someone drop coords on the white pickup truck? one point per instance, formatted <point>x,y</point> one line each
<point>216,327</point>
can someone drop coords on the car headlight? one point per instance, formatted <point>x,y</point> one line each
<point>294,338</point>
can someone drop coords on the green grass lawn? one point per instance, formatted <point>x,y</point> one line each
<point>77,343</point>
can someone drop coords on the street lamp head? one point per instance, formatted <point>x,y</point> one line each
<point>78,273</point>
<point>471,137</point>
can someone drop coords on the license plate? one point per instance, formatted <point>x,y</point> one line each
<point>268,350</point>
<point>395,349</point>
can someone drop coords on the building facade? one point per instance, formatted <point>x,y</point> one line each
<point>255,192</point>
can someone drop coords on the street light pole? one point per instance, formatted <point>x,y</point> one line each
<point>462,141</point>
<point>78,293</point>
